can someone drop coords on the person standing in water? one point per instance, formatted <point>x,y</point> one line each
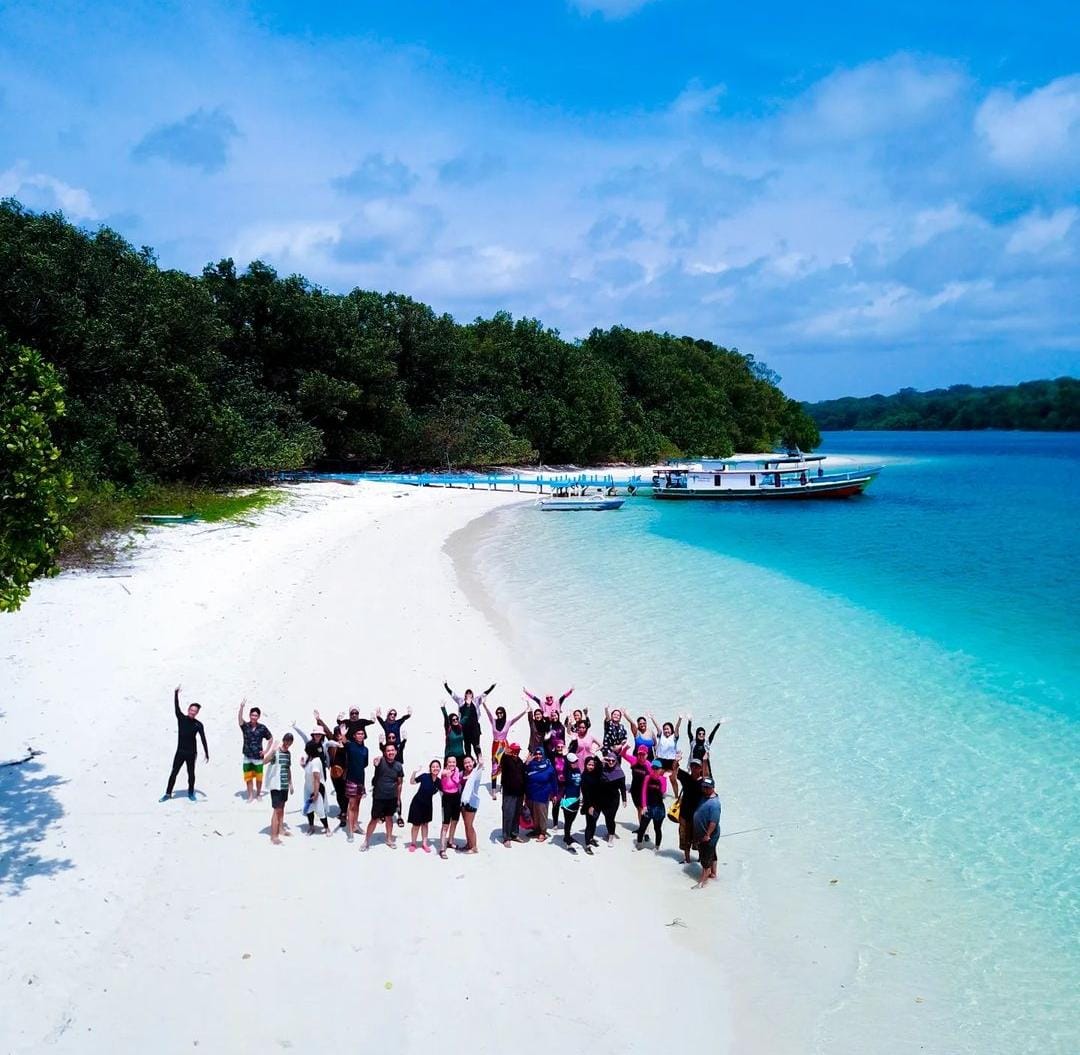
<point>450,785</point>
<point>469,715</point>
<point>188,727</point>
<point>500,735</point>
<point>421,808</point>
<point>513,794</point>
<point>707,830</point>
<point>470,801</point>
<point>386,781</point>
<point>280,780</point>
<point>254,735</point>
<point>314,786</point>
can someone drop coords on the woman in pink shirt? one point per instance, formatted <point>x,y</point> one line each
<point>450,785</point>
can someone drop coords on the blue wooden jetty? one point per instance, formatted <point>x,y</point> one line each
<point>489,481</point>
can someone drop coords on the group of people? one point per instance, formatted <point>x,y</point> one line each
<point>565,772</point>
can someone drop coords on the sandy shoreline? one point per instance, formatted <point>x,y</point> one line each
<point>131,922</point>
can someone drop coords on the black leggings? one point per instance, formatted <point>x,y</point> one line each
<point>342,798</point>
<point>179,759</point>
<point>569,816</point>
<point>472,741</point>
<point>611,807</point>
<point>311,821</point>
<point>656,815</point>
<point>591,817</point>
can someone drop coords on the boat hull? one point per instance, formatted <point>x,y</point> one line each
<point>570,505</point>
<point>837,489</point>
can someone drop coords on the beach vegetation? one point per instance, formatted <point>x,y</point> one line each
<point>34,484</point>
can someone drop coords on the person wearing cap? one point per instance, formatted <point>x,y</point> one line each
<point>512,771</point>
<point>541,784</point>
<point>689,799</point>
<point>571,799</point>
<point>652,803</point>
<point>320,734</point>
<point>314,787</point>
<point>707,830</point>
<point>255,735</point>
<point>279,780</point>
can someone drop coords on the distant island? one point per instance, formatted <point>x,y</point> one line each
<point>1037,406</point>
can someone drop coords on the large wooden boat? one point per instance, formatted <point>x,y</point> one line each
<point>768,477</point>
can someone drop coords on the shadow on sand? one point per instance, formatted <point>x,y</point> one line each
<point>28,806</point>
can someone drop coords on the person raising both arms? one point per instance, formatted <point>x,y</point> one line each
<point>500,734</point>
<point>279,778</point>
<point>700,746</point>
<point>421,808</point>
<point>614,731</point>
<point>539,730</point>
<point>254,735</point>
<point>548,705</point>
<point>391,726</point>
<point>355,722</point>
<point>642,737</point>
<point>386,781</point>
<point>188,727</point>
<point>579,716</point>
<point>667,744</point>
<point>469,715</point>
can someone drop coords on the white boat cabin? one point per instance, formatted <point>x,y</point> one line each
<point>741,473</point>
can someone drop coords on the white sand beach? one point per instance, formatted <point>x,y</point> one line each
<point>131,924</point>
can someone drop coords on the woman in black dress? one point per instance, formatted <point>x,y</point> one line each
<point>421,808</point>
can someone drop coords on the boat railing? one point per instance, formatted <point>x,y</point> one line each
<point>492,481</point>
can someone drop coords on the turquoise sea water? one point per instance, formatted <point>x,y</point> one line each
<point>904,673</point>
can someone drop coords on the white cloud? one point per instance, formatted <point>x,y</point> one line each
<point>1040,129</point>
<point>1037,231</point>
<point>697,98</point>
<point>609,9</point>
<point>44,191</point>
<point>878,97</point>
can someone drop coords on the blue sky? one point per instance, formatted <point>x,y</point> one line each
<point>864,198</point>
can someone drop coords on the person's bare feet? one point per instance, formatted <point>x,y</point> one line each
<point>507,843</point>
<point>275,842</point>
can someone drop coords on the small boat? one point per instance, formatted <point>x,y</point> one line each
<point>569,501</point>
<point>761,476</point>
<point>169,518</point>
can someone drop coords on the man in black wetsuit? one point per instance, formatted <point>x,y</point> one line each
<point>188,727</point>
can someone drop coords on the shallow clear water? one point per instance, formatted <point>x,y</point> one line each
<point>904,674</point>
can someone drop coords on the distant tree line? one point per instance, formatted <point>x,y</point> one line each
<point>1050,406</point>
<point>133,374</point>
<point>168,375</point>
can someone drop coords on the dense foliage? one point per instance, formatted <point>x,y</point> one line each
<point>33,485</point>
<point>1052,406</point>
<point>172,376</point>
